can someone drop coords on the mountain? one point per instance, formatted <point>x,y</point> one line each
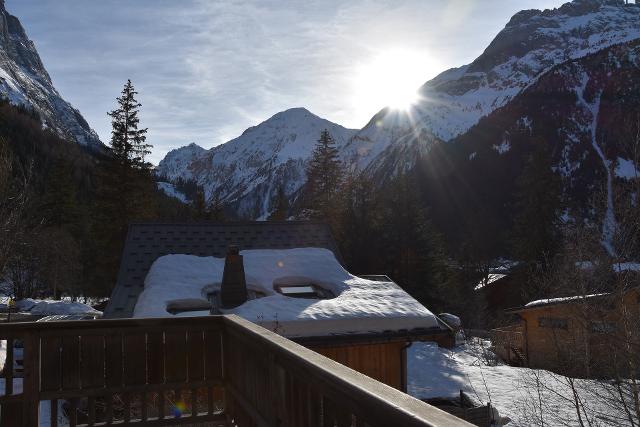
<point>532,44</point>
<point>25,81</point>
<point>247,171</point>
<point>583,112</point>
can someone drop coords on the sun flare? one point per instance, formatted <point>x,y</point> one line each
<point>392,78</point>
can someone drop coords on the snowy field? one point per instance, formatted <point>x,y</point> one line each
<point>515,392</point>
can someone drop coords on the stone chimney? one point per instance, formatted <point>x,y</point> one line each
<point>233,291</point>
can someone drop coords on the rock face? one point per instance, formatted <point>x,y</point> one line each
<point>25,81</point>
<point>532,44</point>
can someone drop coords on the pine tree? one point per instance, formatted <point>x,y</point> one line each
<point>128,143</point>
<point>59,206</point>
<point>200,206</point>
<point>125,189</point>
<point>360,224</point>
<point>216,209</point>
<point>324,177</point>
<point>281,211</point>
<point>536,230</point>
<point>411,246</point>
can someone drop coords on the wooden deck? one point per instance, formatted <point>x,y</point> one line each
<point>213,371</point>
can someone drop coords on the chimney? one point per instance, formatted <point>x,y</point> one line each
<point>233,291</point>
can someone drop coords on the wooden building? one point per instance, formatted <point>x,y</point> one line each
<point>590,336</point>
<point>369,342</point>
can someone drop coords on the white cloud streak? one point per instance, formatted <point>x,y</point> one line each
<point>206,70</point>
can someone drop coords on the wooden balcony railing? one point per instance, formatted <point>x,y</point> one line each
<point>213,370</point>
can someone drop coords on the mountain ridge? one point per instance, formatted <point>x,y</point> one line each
<point>25,81</point>
<point>531,43</point>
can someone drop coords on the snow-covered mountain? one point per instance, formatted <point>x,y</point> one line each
<point>582,114</point>
<point>25,81</point>
<point>248,170</point>
<point>531,44</point>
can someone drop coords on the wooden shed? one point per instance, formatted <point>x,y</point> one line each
<point>589,336</point>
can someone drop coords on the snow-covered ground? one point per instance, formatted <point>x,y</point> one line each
<point>437,372</point>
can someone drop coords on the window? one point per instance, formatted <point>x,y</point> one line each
<point>602,327</point>
<point>553,322</point>
<point>308,290</point>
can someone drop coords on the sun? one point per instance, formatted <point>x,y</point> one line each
<point>391,78</point>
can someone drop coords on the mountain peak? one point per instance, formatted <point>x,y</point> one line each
<point>25,81</point>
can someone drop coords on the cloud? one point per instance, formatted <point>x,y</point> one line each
<point>207,70</point>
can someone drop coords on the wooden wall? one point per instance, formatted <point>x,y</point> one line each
<point>576,350</point>
<point>383,361</point>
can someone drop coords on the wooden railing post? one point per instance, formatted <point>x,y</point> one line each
<point>31,378</point>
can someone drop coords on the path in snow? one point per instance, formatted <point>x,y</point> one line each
<point>609,223</point>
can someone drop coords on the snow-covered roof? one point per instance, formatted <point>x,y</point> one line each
<point>626,266</point>
<point>146,242</point>
<point>51,307</point>
<point>548,301</point>
<point>360,306</point>
<point>492,277</point>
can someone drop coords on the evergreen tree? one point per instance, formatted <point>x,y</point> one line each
<point>360,224</point>
<point>200,206</point>
<point>59,204</point>
<point>281,211</point>
<point>216,209</point>
<point>128,143</point>
<point>125,189</point>
<point>324,177</point>
<point>536,230</point>
<point>411,247</point>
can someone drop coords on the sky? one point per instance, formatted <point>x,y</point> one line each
<point>206,70</point>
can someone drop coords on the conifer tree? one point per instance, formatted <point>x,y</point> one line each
<point>125,188</point>
<point>324,177</point>
<point>216,209</point>
<point>281,211</point>
<point>128,143</point>
<point>411,247</point>
<point>360,223</point>
<point>60,206</point>
<point>536,230</point>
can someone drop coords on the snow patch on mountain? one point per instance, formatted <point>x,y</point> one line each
<point>626,169</point>
<point>609,223</point>
<point>503,147</point>
<point>171,191</point>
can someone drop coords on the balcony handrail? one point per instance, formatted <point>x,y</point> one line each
<point>363,394</point>
<point>266,379</point>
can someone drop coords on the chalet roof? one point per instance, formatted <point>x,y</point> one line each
<point>350,305</point>
<point>146,242</point>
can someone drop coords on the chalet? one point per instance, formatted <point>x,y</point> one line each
<point>187,367</point>
<point>286,277</point>
<point>592,335</point>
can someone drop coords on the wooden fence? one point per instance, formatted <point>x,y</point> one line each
<point>509,343</point>
<point>217,370</point>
